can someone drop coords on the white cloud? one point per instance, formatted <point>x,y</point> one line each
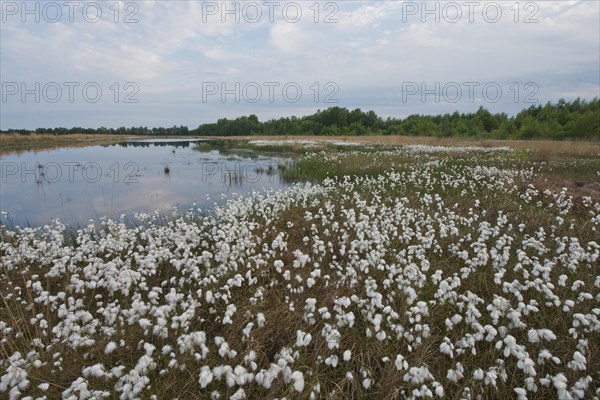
<point>173,49</point>
<point>368,15</point>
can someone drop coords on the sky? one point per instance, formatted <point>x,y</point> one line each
<point>165,63</point>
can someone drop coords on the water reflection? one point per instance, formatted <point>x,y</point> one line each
<point>78,184</point>
<point>175,143</point>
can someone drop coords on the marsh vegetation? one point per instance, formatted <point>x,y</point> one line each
<point>386,272</point>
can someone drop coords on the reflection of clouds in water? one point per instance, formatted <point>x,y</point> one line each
<point>135,200</point>
<point>132,180</point>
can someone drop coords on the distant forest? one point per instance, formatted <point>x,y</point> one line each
<point>578,119</point>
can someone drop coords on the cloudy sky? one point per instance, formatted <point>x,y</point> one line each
<point>159,63</point>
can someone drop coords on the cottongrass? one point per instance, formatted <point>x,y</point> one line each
<point>436,280</point>
<point>303,143</point>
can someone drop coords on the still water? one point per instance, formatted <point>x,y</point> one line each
<point>79,184</point>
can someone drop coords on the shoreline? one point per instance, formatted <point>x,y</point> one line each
<point>18,143</point>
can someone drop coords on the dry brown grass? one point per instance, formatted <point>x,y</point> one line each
<point>15,143</point>
<point>16,139</point>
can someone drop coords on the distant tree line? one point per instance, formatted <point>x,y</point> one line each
<point>141,130</point>
<point>577,119</point>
